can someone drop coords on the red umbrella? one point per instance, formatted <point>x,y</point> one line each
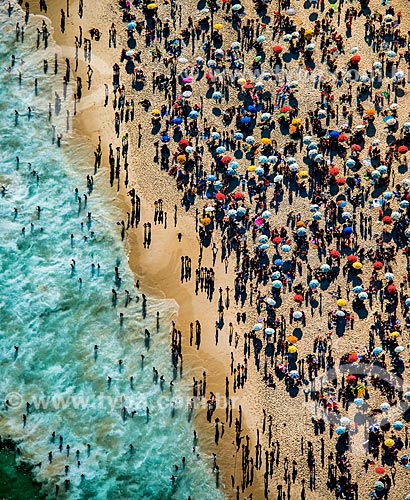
<point>239,196</point>
<point>277,49</point>
<point>342,138</point>
<point>351,379</point>
<point>277,240</point>
<point>387,219</point>
<point>284,109</point>
<point>352,357</point>
<point>184,143</point>
<point>226,159</point>
<point>248,86</point>
<point>378,265</point>
<point>352,258</point>
<point>335,254</point>
<point>356,147</point>
<point>355,59</point>
<point>402,149</point>
<point>219,196</point>
<point>334,171</point>
<point>340,181</point>
<point>380,470</point>
<point>392,289</point>
<point>298,298</point>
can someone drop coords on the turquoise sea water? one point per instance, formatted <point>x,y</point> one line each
<point>55,320</point>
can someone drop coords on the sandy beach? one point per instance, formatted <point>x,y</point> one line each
<point>284,364</point>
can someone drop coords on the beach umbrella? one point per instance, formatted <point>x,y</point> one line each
<point>385,407</point>
<point>260,86</point>
<point>250,139</point>
<point>177,120</point>
<point>263,159</point>
<point>220,196</point>
<point>340,181</point>
<point>189,149</point>
<point>317,216</point>
<point>308,139</point>
<point>245,120</point>
<point>226,159</point>
<point>186,94</point>
<point>211,178</point>
<point>398,426</point>
<point>235,45</point>
<point>353,357</point>
<point>260,39</point>
<point>252,109</point>
<point>266,141</point>
<point>334,171</point>
<point>355,59</point>
<point>335,254</point>
<point>290,12</point>
<point>278,178</point>
<point>277,284</point>
<point>358,402</point>
<point>379,486</point>
<point>294,167</point>
<point>388,195</point>
<point>325,268</point>
<point>396,215</point>
<point>287,38</point>
<point>238,136</point>
<point>376,174</point>
<point>297,315</point>
<point>231,213</point>
<point>340,430</point>
<point>206,221</point>
<point>404,204</point>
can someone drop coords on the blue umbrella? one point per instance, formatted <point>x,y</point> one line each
<point>313,284</point>
<point>245,120</point>
<point>357,289</point>
<point>234,164</point>
<point>347,231</point>
<point>252,109</point>
<point>343,203</point>
<point>377,350</point>
<point>334,134</point>
<point>241,211</point>
<point>278,262</point>
<point>250,139</point>
<point>301,231</point>
<point>211,177</point>
<point>220,149</point>
<point>398,426</point>
<point>165,138</point>
<point>340,430</point>
<point>216,96</point>
<point>193,115</point>
<point>325,268</point>
<point>277,284</point>
<point>264,246</point>
<point>374,428</point>
<point>216,136</point>
<point>358,402</point>
<point>407,302</point>
<point>286,248</point>
<point>131,26</point>
<point>238,136</point>
<point>275,275</point>
<point>177,120</point>
<point>259,171</point>
<point>231,171</point>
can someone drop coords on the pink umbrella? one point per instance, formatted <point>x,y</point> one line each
<point>259,221</point>
<point>187,79</point>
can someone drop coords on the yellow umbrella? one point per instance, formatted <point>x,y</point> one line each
<point>292,349</point>
<point>218,26</point>
<point>389,443</point>
<point>300,223</point>
<point>394,335</point>
<point>357,265</point>
<point>266,140</point>
<point>296,122</point>
<point>342,302</point>
<point>251,168</point>
<point>181,158</point>
<point>155,112</point>
<point>308,32</point>
<point>370,112</point>
<point>206,221</point>
<point>292,339</point>
<point>304,174</point>
<point>151,6</point>
<point>241,81</point>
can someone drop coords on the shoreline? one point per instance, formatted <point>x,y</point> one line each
<point>190,307</point>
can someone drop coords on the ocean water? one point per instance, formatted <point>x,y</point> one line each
<point>55,319</point>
